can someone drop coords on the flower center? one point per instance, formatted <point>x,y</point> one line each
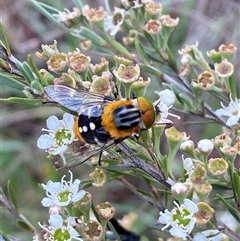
<point>61,234</point>
<point>64,195</point>
<point>180,216</point>
<point>63,137</point>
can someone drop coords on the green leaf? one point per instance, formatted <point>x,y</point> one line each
<point>140,50</point>
<point>4,40</point>
<point>230,208</point>
<point>35,70</point>
<point>89,34</point>
<point>150,69</point>
<point>22,100</point>
<point>11,194</point>
<point>151,41</point>
<point>78,3</point>
<point>232,84</point>
<point>114,231</point>
<point>236,184</point>
<point>24,225</point>
<point>28,72</point>
<point>119,47</point>
<point>6,79</point>
<point>45,9</point>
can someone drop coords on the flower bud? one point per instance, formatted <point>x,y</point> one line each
<point>85,44</point>
<point>94,15</point>
<point>205,146</point>
<point>98,69</point>
<point>169,22</point>
<point>227,51</point>
<point>179,191</point>
<point>93,231</point>
<point>187,147</point>
<point>214,55</point>
<point>153,27</point>
<point>222,139</point>
<point>127,74</point>
<point>85,202</point>
<point>173,135</point>
<point>99,177</point>
<point>199,174</point>
<point>48,50</point>
<point>224,69</point>
<point>131,38</point>
<point>58,62</point>
<point>204,214</point>
<point>217,166</point>
<point>47,77</point>
<point>206,80</point>
<point>79,63</point>
<point>121,60</point>
<point>105,211</point>
<point>139,87</point>
<point>229,151</point>
<point>65,79</point>
<point>153,8</point>
<point>101,85</point>
<point>202,189</point>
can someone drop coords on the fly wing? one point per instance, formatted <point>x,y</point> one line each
<point>72,99</point>
<point>84,153</point>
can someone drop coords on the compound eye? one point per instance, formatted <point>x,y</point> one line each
<point>148,112</point>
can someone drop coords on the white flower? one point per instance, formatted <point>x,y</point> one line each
<point>208,235</point>
<point>181,219</point>
<point>60,135</point>
<point>60,229</point>
<point>62,193</point>
<point>167,97</point>
<point>113,23</point>
<point>232,111</point>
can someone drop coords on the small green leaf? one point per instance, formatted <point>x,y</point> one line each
<point>11,194</point>
<point>4,40</point>
<point>37,86</point>
<point>22,100</point>
<point>232,84</point>
<point>150,69</point>
<point>151,41</point>
<point>89,34</point>
<point>35,70</point>
<point>25,225</point>
<point>140,50</point>
<point>29,74</point>
<point>236,184</point>
<point>119,47</point>
<point>230,208</point>
<point>6,79</point>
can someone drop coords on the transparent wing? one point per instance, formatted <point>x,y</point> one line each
<point>73,158</point>
<point>73,99</point>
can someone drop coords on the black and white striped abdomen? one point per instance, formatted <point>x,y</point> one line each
<point>126,117</point>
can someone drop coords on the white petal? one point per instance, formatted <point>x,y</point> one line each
<point>53,123</point>
<point>44,141</point>
<point>55,220</point>
<point>78,196</point>
<point>165,218</point>
<point>233,120</point>
<point>178,232</point>
<point>47,202</point>
<point>190,205</point>
<point>68,120</point>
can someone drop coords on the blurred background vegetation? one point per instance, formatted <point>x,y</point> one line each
<point>210,22</point>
